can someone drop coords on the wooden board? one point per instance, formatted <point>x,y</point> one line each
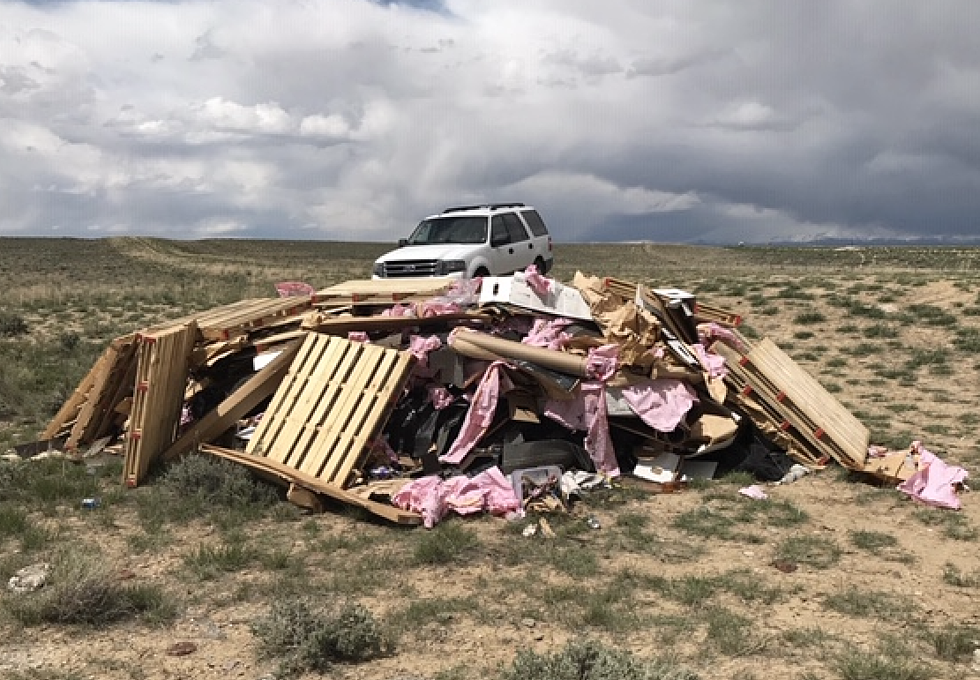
<point>341,325</point>
<point>239,318</point>
<point>161,378</point>
<point>293,476</point>
<point>383,291</point>
<point>334,400</point>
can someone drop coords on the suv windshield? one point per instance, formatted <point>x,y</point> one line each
<point>450,230</point>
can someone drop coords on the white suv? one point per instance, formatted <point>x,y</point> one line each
<point>470,241</point>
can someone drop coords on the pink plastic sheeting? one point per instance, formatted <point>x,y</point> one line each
<point>294,289</point>
<point>661,403</point>
<point>933,482</point>
<point>440,396</point>
<point>538,282</point>
<point>712,363</point>
<point>479,416</point>
<point>548,333</point>
<point>433,497</point>
<point>712,331</point>
<point>602,362</point>
<point>588,413</point>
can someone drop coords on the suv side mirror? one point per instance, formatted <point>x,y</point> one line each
<point>402,242</point>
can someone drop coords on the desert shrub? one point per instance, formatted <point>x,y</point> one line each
<point>12,325</point>
<point>82,589</point>
<point>309,638</point>
<point>218,482</point>
<point>590,660</point>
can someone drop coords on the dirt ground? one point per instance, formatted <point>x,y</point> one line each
<point>508,592</point>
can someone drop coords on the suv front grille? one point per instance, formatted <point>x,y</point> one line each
<point>409,268</point>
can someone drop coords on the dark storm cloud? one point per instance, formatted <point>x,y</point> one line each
<point>630,120</point>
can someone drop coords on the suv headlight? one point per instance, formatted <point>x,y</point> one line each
<point>378,270</point>
<point>444,267</point>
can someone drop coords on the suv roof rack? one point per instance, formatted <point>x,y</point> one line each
<point>489,206</point>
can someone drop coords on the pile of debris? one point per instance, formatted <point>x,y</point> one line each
<point>411,397</point>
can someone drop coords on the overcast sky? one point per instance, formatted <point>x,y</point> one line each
<point>680,121</point>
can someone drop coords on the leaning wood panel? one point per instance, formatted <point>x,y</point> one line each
<point>72,407</point>
<point>107,391</point>
<point>801,393</point>
<point>336,398</point>
<point>161,378</point>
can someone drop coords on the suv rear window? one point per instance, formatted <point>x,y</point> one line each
<point>535,222</point>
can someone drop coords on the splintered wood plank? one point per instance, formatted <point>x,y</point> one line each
<point>161,378</point>
<point>337,396</point>
<point>288,474</point>
<point>830,420</point>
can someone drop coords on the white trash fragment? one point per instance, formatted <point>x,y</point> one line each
<point>795,472</point>
<point>755,491</point>
<point>29,579</point>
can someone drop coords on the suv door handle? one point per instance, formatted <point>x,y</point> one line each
<point>510,251</point>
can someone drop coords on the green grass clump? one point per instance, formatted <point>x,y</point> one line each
<point>856,664</point>
<point>590,660</point>
<point>307,637</point>
<point>83,590</point>
<point>447,543</point>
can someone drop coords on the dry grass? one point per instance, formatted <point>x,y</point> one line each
<point>685,582</point>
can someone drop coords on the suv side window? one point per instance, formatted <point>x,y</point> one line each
<point>498,231</point>
<point>535,222</point>
<point>515,228</point>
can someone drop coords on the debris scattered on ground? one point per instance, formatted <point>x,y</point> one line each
<point>418,397</point>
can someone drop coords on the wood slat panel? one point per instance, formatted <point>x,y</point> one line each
<point>336,397</point>
<point>161,378</point>
<point>832,423</point>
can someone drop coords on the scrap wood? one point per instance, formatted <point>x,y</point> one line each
<point>334,400</point>
<point>69,411</point>
<point>806,413</point>
<point>384,291</point>
<point>341,325</point>
<point>808,405</point>
<point>234,406</point>
<point>298,477</point>
<point>111,384</point>
<point>161,378</point>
